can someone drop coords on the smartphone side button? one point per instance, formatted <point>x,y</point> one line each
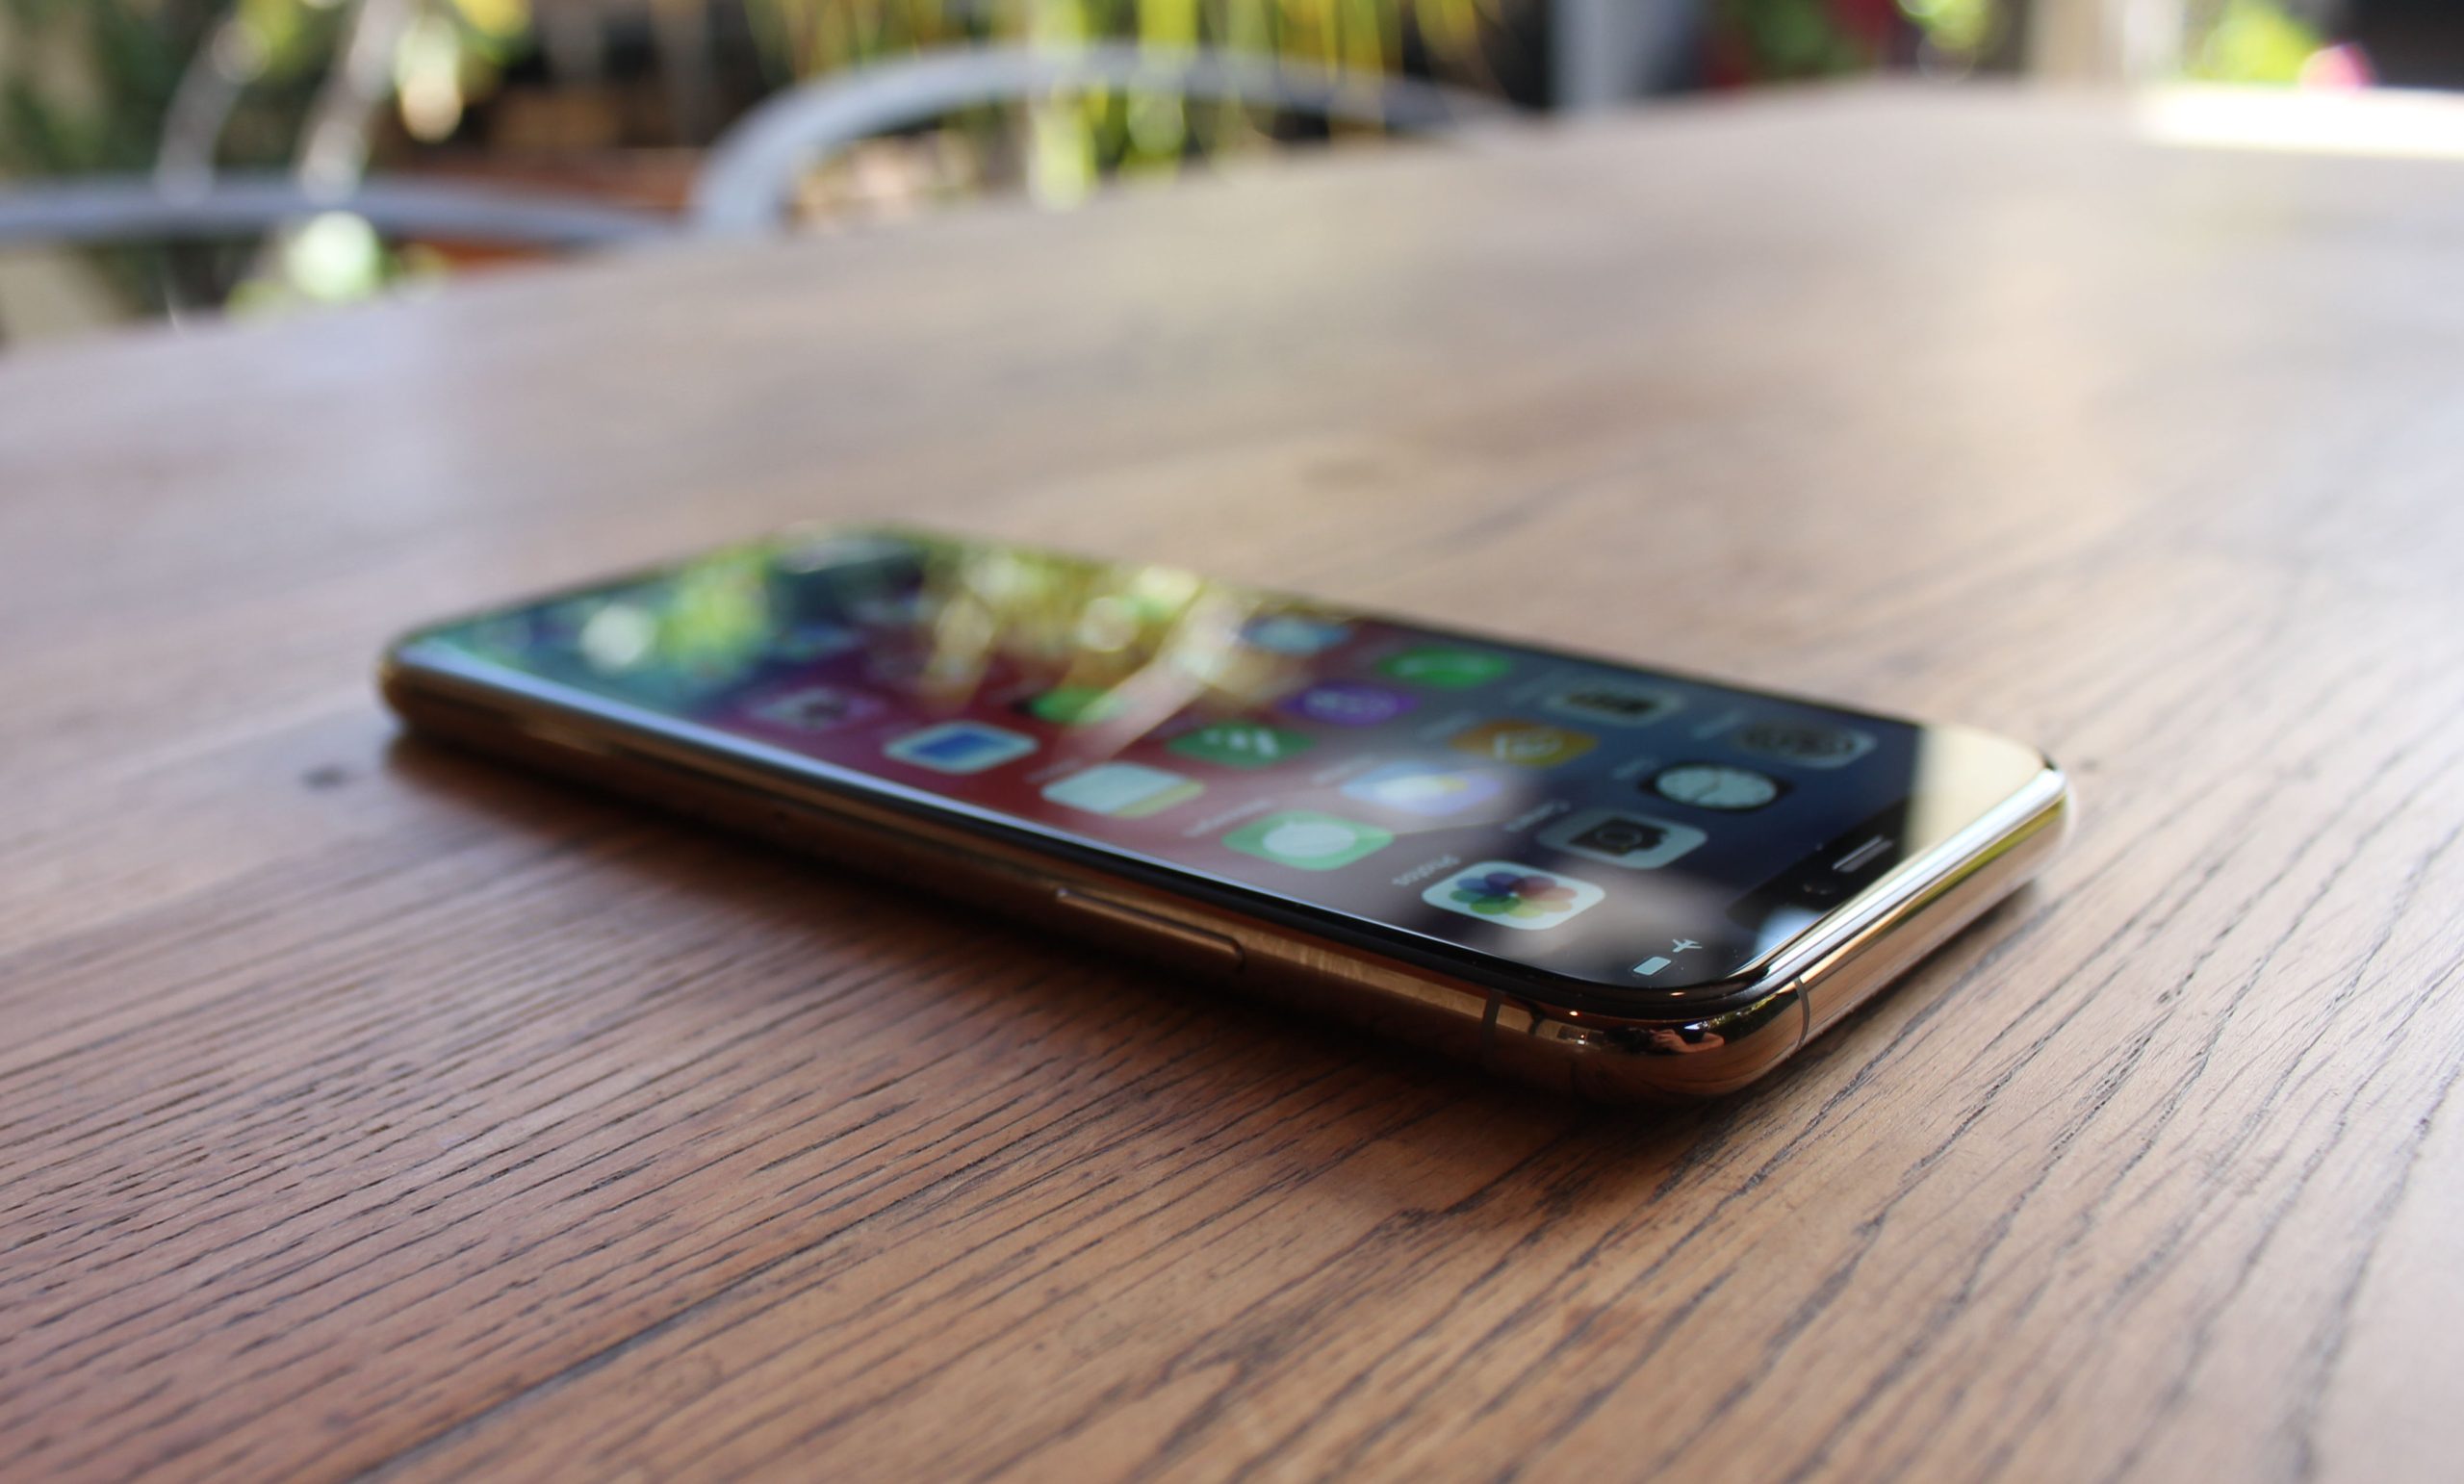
<point>1210,950</point>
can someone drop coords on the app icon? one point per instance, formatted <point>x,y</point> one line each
<point>1349,703</point>
<point>959,747</point>
<point>1525,743</point>
<point>1294,633</point>
<point>1635,841</point>
<point>1078,706</point>
<point>1513,896</point>
<point>1612,703</point>
<point>1308,839</point>
<point>1715,786</point>
<point>1426,788</point>
<point>1813,744</point>
<point>1445,669</point>
<point>813,707</point>
<point>1127,790</point>
<point>1241,744</point>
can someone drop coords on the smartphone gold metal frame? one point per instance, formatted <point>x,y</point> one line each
<point>1688,1049</point>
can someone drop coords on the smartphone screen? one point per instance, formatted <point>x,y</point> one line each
<point>1430,792</point>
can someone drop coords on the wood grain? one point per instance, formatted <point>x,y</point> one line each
<point>365,1111</point>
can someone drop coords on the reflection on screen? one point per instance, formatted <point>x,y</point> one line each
<point>1620,826</point>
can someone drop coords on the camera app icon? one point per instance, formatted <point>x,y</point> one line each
<point>1635,841</point>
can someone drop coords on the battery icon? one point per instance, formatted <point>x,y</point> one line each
<point>1651,966</point>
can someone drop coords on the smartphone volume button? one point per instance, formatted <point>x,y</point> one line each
<point>1177,939</point>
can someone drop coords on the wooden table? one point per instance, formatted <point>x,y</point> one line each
<point>370,1110</point>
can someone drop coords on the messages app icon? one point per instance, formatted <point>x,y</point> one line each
<point>1128,790</point>
<point>1308,839</point>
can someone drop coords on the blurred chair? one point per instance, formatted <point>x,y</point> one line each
<point>744,185</point>
<point>750,172</point>
<point>117,211</point>
<point>95,211</point>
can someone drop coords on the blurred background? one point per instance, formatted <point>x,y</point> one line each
<point>167,158</point>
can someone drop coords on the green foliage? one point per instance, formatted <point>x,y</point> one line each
<point>129,59</point>
<point>84,85</point>
<point>1068,144</point>
<point>1961,28</point>
<point>808,37</point>
<point>1785,39</point>
<point>2253,42</point>
<point>87,86</point>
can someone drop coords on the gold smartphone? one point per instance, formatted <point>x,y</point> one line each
<point>1615,881</point>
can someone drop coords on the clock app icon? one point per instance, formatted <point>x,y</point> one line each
<point>1715,786</point>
